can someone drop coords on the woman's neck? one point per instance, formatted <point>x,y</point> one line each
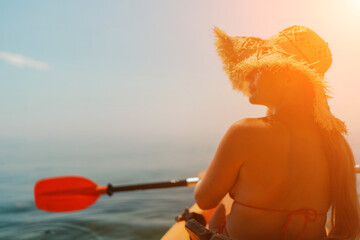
<point>294,115</point>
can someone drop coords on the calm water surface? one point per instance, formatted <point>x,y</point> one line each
<point>127,215</point>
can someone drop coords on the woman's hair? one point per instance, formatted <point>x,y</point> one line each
<point>344,220</point>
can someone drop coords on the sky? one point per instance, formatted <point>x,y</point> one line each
<point>148,70</point>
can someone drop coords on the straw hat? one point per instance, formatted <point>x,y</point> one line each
<point>296,48</point>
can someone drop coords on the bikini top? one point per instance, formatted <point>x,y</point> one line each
<point>311,215</point>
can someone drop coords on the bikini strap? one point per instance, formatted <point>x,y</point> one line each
<point>310,216</point>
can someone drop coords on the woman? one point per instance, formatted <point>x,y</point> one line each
<point>276,177</point>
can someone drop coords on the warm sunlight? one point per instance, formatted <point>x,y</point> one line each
<point>135,93</point>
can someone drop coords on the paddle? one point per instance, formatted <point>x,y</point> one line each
<point>71,193</point>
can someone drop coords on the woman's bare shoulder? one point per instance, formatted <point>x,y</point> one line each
<point>262,124</point>
<point>259,129</point>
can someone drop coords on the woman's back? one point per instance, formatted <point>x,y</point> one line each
<point>285,169</point>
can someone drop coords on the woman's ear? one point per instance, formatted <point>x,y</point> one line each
<point>288,80</point>
<point>293,78</point>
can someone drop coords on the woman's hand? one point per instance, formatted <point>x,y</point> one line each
<point>201,174</point>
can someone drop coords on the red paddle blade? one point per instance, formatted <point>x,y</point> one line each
<point>63,194</point>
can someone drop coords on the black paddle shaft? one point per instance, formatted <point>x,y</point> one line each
<point>169,184</point>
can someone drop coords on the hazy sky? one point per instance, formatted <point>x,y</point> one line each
<point>148,69</point>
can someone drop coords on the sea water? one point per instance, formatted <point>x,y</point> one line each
<point>127,215</point>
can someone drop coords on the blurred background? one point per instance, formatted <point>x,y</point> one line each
<point>133,91</point>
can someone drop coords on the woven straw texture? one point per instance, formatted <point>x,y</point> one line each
<point>297,48</point>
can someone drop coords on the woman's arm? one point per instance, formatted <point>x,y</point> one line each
<point>223,169</point>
